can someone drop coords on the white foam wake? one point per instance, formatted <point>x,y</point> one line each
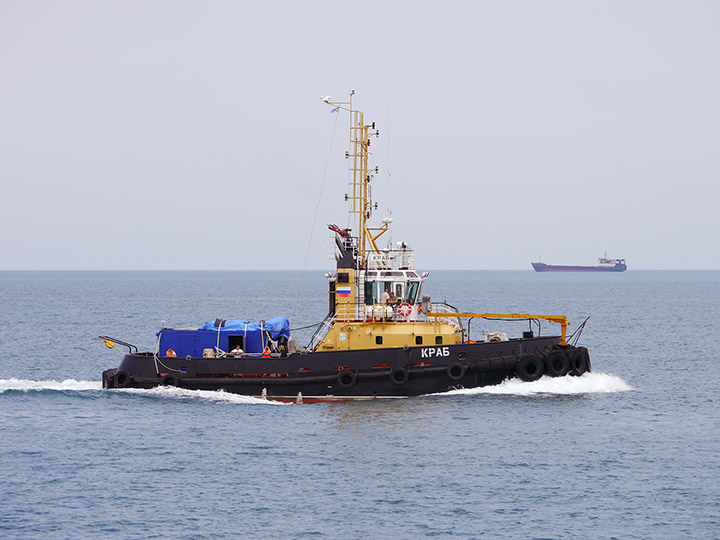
<point>217,396</point>
<point>25,385</point>
<point>590,383</point>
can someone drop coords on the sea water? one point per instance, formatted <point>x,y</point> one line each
<point>627,451</point>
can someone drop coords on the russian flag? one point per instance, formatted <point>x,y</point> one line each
<point>343,292</point>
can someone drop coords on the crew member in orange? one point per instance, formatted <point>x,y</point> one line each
<point>170,354</point>
<point>266,352</point>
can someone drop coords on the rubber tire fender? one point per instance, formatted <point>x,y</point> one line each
<point>578,365</point>
<point>557,364</point>
<point>483,365</point>
<point>108,379</point>
<point>170,380</point>
<point>347,379</point>
<point>509,363</point>
<point>399,376</point>
<point>456,371</point>
<point>529,368</point>
<point>122,379</point>
<point>586,355</point>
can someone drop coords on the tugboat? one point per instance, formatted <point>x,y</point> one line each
<point>604,265</point>
<point>381,337</point>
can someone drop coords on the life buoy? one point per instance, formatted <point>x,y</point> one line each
<point>557,364</point>
<point>577,363</point>
<point>456,371</point>
<point>170,380</point>
<point>170,354</point>
<point>529,368</point>
<point>122,379</point>
<point>347,379</point>
<point>399,376</point>
<point>404,309</point>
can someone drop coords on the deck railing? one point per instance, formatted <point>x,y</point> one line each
<point>399,312</point>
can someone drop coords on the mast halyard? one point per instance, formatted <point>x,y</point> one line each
<point>359,193</point>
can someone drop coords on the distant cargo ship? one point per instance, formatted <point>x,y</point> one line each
<point>604,265</point>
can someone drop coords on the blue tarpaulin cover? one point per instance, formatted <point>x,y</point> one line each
<point>208,336</point>
<point>277,326</point>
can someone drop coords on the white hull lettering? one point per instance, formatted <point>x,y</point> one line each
<point>431,352</point>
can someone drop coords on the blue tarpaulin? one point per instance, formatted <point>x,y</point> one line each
<point>277,326</point>
<point>254,336</point>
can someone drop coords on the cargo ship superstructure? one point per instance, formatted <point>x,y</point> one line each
<point>604,265</point>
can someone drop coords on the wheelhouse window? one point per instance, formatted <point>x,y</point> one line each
<point>382,286</point>
<point>404,291</point>
<point>369,293</point>
<point>375,289</point>
<point>411,291</point>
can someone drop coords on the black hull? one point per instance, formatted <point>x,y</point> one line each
<point>358,374</point>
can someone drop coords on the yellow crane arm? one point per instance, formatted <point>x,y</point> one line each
<point>560,319</point>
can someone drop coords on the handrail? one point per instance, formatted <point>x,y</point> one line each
<point>111,342</point>
<point>560,319</point>
<point>385,312</point>
<point>320,332</point>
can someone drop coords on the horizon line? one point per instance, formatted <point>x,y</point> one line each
<point>326,269</point>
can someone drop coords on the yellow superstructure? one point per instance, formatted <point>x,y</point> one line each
<point>371,335</point>
<point>375,295</point>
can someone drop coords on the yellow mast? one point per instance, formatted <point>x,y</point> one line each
<point>358,196</point>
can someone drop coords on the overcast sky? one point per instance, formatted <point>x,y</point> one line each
<point>191,135</point>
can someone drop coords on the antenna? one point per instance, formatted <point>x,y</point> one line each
<point>359,194</point>
<point>389,170</point>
